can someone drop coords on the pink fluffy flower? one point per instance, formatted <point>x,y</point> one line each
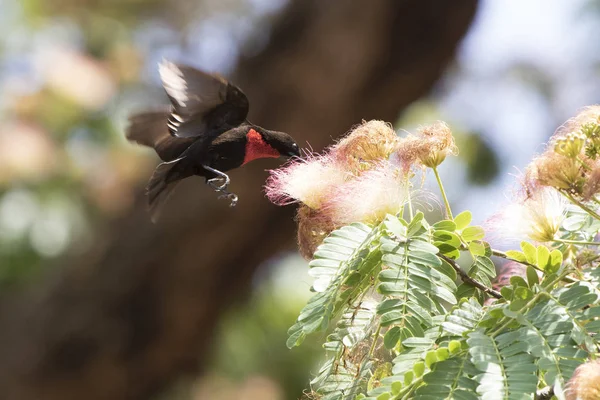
<point>309,181</point>
<point>382,190</point>
<point>356,180</point>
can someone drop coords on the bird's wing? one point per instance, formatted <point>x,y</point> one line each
<point>202,103</point>
<point>150,129</point>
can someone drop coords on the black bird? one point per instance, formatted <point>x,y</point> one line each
<point>204,132</point>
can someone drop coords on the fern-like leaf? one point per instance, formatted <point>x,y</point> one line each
<point>341,251</point>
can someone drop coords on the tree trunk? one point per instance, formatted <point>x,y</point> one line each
<point>126,319</point>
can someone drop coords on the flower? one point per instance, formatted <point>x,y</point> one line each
<point>537,217</point>
<point>591,186</point>
<point>366,145</point>
<point>585,382</point>
<point>569,145</point>
<point>313,227</point>
<point>308,181</point>
<point>355,180</point>
<point>370,197</point>
<point>555,170</point>
<point>588,115</point>
<point>429,147</point>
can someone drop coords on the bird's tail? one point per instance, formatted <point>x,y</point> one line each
<point>161,186</point>
<point>148,128</point>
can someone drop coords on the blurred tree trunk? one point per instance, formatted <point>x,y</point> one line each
<point>124,320</point>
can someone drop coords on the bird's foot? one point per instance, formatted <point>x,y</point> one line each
<point>219,183</point>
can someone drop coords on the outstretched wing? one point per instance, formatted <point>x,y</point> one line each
<point>203,104</point>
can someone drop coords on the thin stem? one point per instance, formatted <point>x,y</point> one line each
<point>583,164</point>
<point>582,242</point>
<point>375,340</point>
<point>529,304</point>
<point>446,203</point>
<point>407,391</point>
<point>467,279</point>
<point>580,204</point>
<point>502,254</point>
<point>509,320</point>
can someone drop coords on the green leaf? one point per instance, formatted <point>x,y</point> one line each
<point>574,222</point>
<point>523,293</point>
<point>477,248</point>
<point>516,255</point>
<point>415,224</point>
<point>556,259</point>
<point>391,338</point>
<point>409,376</point>
<point>446,237</point>
<point>517,281</point>
<point>396,227</point>
<point>530,252</point>
<point>430,358</point>
<point>532,276</point>
<point>335,265</point>
<point>418,342</point>
<point>442,353</point>
<point>444,225</point>
<point>473,233</point>
<point>463,220</point>
<point>543,257</point>
<point>454,346</point>
<point>419,368</point>
<point>396,387</point>
<point>507,292</point>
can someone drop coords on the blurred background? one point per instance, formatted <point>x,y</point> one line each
<point>98,303</point>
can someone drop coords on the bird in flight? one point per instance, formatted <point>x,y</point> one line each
<point>204,132</point>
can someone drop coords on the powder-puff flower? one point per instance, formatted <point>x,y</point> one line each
<point>370,197</point>
<point>429,147</point>
<point>555,170</point>
<point>588,115</point>
<point>537,217</point>
<point>354,181</point>
<point>309,181</point>
<point>313,227</point>
<point>585,382</point>
<point>366,146</point>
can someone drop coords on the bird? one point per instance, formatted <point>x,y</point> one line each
<point>203,132</point>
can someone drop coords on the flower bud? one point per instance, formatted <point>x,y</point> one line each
<point>570,145</point>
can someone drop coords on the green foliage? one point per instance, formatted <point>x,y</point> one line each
<point>404,329</point>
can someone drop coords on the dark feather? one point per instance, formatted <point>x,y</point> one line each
<point>165,178</point>
<point>203,104</point>
<point>150,129</point>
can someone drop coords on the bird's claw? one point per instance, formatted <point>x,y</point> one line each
<point>231,197</point>
<point>219,183</point>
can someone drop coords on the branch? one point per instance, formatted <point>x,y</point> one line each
<point>467,279</point>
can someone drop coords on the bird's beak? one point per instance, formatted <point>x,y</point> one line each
<point>291,154</point>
